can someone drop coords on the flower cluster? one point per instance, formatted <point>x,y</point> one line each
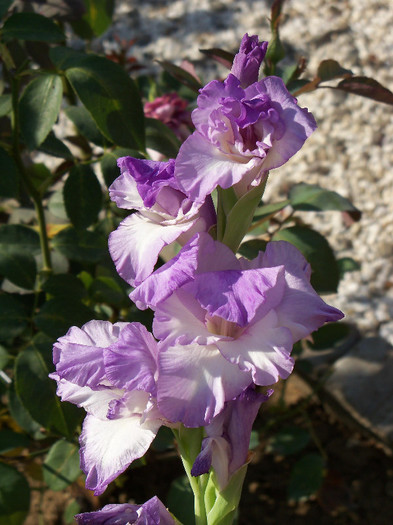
<point>172,111</point>
<point>223,325</point>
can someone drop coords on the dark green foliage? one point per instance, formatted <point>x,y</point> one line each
<point>14,496</point>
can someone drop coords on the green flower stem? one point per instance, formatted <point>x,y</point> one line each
<point>189,441</point>
<point>34,194</point>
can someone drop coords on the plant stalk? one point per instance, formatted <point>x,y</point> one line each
<point>32,191</point>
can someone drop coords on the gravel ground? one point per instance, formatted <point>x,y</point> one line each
<point>352,151</point>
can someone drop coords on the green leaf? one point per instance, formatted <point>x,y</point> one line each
<point>19,237</point>
<point>107,290</point>
<point>65,285</point>
<point>296,86</point>
<point>181,500</point>
<point>4,6</point>
<point>59,314</point>
<point>160,138</point>
<point>39,107</point>
<point>10,440</point>
<point>13,317</point>
<point>311,197</point>
<point>5,105</point>
<point>98,15</point>
<point>330,69</point>
<point>108,93</point>
<point>55,147</point>
<point>4,357</point>
<point>250,249</point>
<point>9,176</point>
<point>306,477</point>
<point>164,440</point>
<point>254,440</point>
<point>181,75</point>
<point>19,267</point>
<point>347,264</point>
<point>61,466</point>
<point>316,249</point>
<point>266,210</point>
<point>81,245</point>
<point>22,417</point>
<point>37,392</point>
<point>289,440</point>
<point>72,508</point>
<point>289,73</point>
<point>31,26</point>
<point>366,87</point>
<point>85,125</point>
<point>17,263</point>
<point>56,205</point>
<point>329,335</point>
<point>109,166</point>
<point>82,196</point>
<point>14,496</point>
<point>40,175</point>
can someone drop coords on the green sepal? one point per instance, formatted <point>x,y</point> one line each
<point>223,504</point>
<point>240,217</point>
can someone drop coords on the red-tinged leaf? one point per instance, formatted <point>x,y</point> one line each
<point>219,55</point>
<point>306,87</point>
<point>349,217</point>
<point>189,67</point>
<point>327,70</point>
<point>181,75</point>
<point>330,69</point>
<point>366,87</point>
<point>275,12</point>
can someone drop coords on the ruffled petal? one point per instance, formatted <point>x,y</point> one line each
<point>108,447</point>
<point>238,294</point>
<point>181,319</point>
<point>95,402</point>
<point>194,383</point>
<point>262,349</point>
<point>201,167</point>
<point>136,243</point>
<point>124,191</point>
<point>298,122</point>
<point>78,356</point>
<point>153,512</point>
<point>115,514</point>
<point>301,310</point>
<point>279,253</point>
<point>200,254</point>
<point>131,363</point>
<point>210,97</point>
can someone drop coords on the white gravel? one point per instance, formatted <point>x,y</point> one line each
<point>352,151</point>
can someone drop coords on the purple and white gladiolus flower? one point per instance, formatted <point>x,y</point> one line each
<point>226,323</point>
<point>226,445</point>
<point>241,134</point>
<point>164,215</point>
<point>153,512</point>
<point>110,371</point>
